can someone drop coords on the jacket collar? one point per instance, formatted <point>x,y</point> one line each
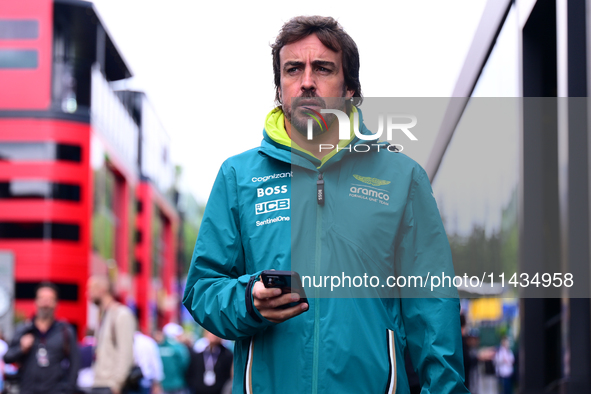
<point>277,144</point>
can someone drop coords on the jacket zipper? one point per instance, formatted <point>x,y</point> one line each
<point>392,374</point>
<point>318,253</point>
<point>320,189</point>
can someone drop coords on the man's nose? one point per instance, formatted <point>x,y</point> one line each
<point>308,80</point>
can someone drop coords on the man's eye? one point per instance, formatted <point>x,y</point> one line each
<point>292,70</point>
<point>323,69</point>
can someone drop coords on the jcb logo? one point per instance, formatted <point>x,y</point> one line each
<point>270,206</point>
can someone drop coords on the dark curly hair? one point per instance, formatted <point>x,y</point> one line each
<point>48,285</point>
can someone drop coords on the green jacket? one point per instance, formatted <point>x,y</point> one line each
<point>379,217</point>
<point>175,360</point>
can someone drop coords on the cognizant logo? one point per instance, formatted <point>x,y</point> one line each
<point>344,127</point>
<point>272,176</point>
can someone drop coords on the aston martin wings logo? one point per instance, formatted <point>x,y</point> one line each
<point>371,181</point>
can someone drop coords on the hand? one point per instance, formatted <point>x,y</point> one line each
<point>267,300</point>
<point>115,390</point>
<point>27,341</point>
<point>156,388</point>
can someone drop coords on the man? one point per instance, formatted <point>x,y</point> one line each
<point>45,348</point>
<point>470,361</point>
<point>3,350</point>
<point>175,359</point>
<point>114,347</point>
<point>86,351</point>
<point>210,368</point>
<point>288,204</point>
<point>504,360</point>
<point>147,356</point>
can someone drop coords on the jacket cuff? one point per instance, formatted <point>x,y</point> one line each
<point>249,300</point>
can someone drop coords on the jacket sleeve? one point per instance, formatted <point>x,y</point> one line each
<point>155,360</point>
<point>123,327</point>
<point>74,356</point>
<point>14,354</point>
<point>218,293</point>
<point>431,316</point>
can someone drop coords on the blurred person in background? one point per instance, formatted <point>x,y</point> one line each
<point>212,367</point>
<point>114,338</point>
<point>147,356</point>
<point>200,344</point>
<point>504,360</point>
<point>86,350</point>
<point>3,350</point>
<point>468,361</point>
<point>45,348</point>
<point>227,389</point>
<point>175,359</point>
<point>473,342</point>
<point>187,340</point>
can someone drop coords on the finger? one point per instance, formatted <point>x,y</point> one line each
<point>261,292</point>
<point>284,299</point>
<point>281,315</point>
<point>274,302</point>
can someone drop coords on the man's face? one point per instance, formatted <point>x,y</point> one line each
<point>45,302</point>
<point>311,72</point>
<point>213,339</point>
<point>93,292</point>
<point>158,336</point>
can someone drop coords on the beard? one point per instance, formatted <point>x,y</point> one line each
<point>45,313</point>
<point>297,115</point>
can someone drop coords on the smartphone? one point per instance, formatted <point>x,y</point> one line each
<point>287,281</point>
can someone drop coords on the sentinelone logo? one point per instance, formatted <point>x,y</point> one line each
<point>273,220</point>
<point>344,127</point>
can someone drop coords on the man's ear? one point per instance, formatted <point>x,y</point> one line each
<point>280,96</point>
<point>350,93</point>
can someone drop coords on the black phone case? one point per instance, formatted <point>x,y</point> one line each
<point>287,281</point>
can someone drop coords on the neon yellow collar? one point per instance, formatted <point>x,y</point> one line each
<point>275,128</point>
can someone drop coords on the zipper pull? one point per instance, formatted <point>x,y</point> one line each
<point>320,189</point>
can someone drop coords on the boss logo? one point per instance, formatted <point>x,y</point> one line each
<point>269,191</point>
<point>271,206</point>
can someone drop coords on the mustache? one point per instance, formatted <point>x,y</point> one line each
<point>309,97</point>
